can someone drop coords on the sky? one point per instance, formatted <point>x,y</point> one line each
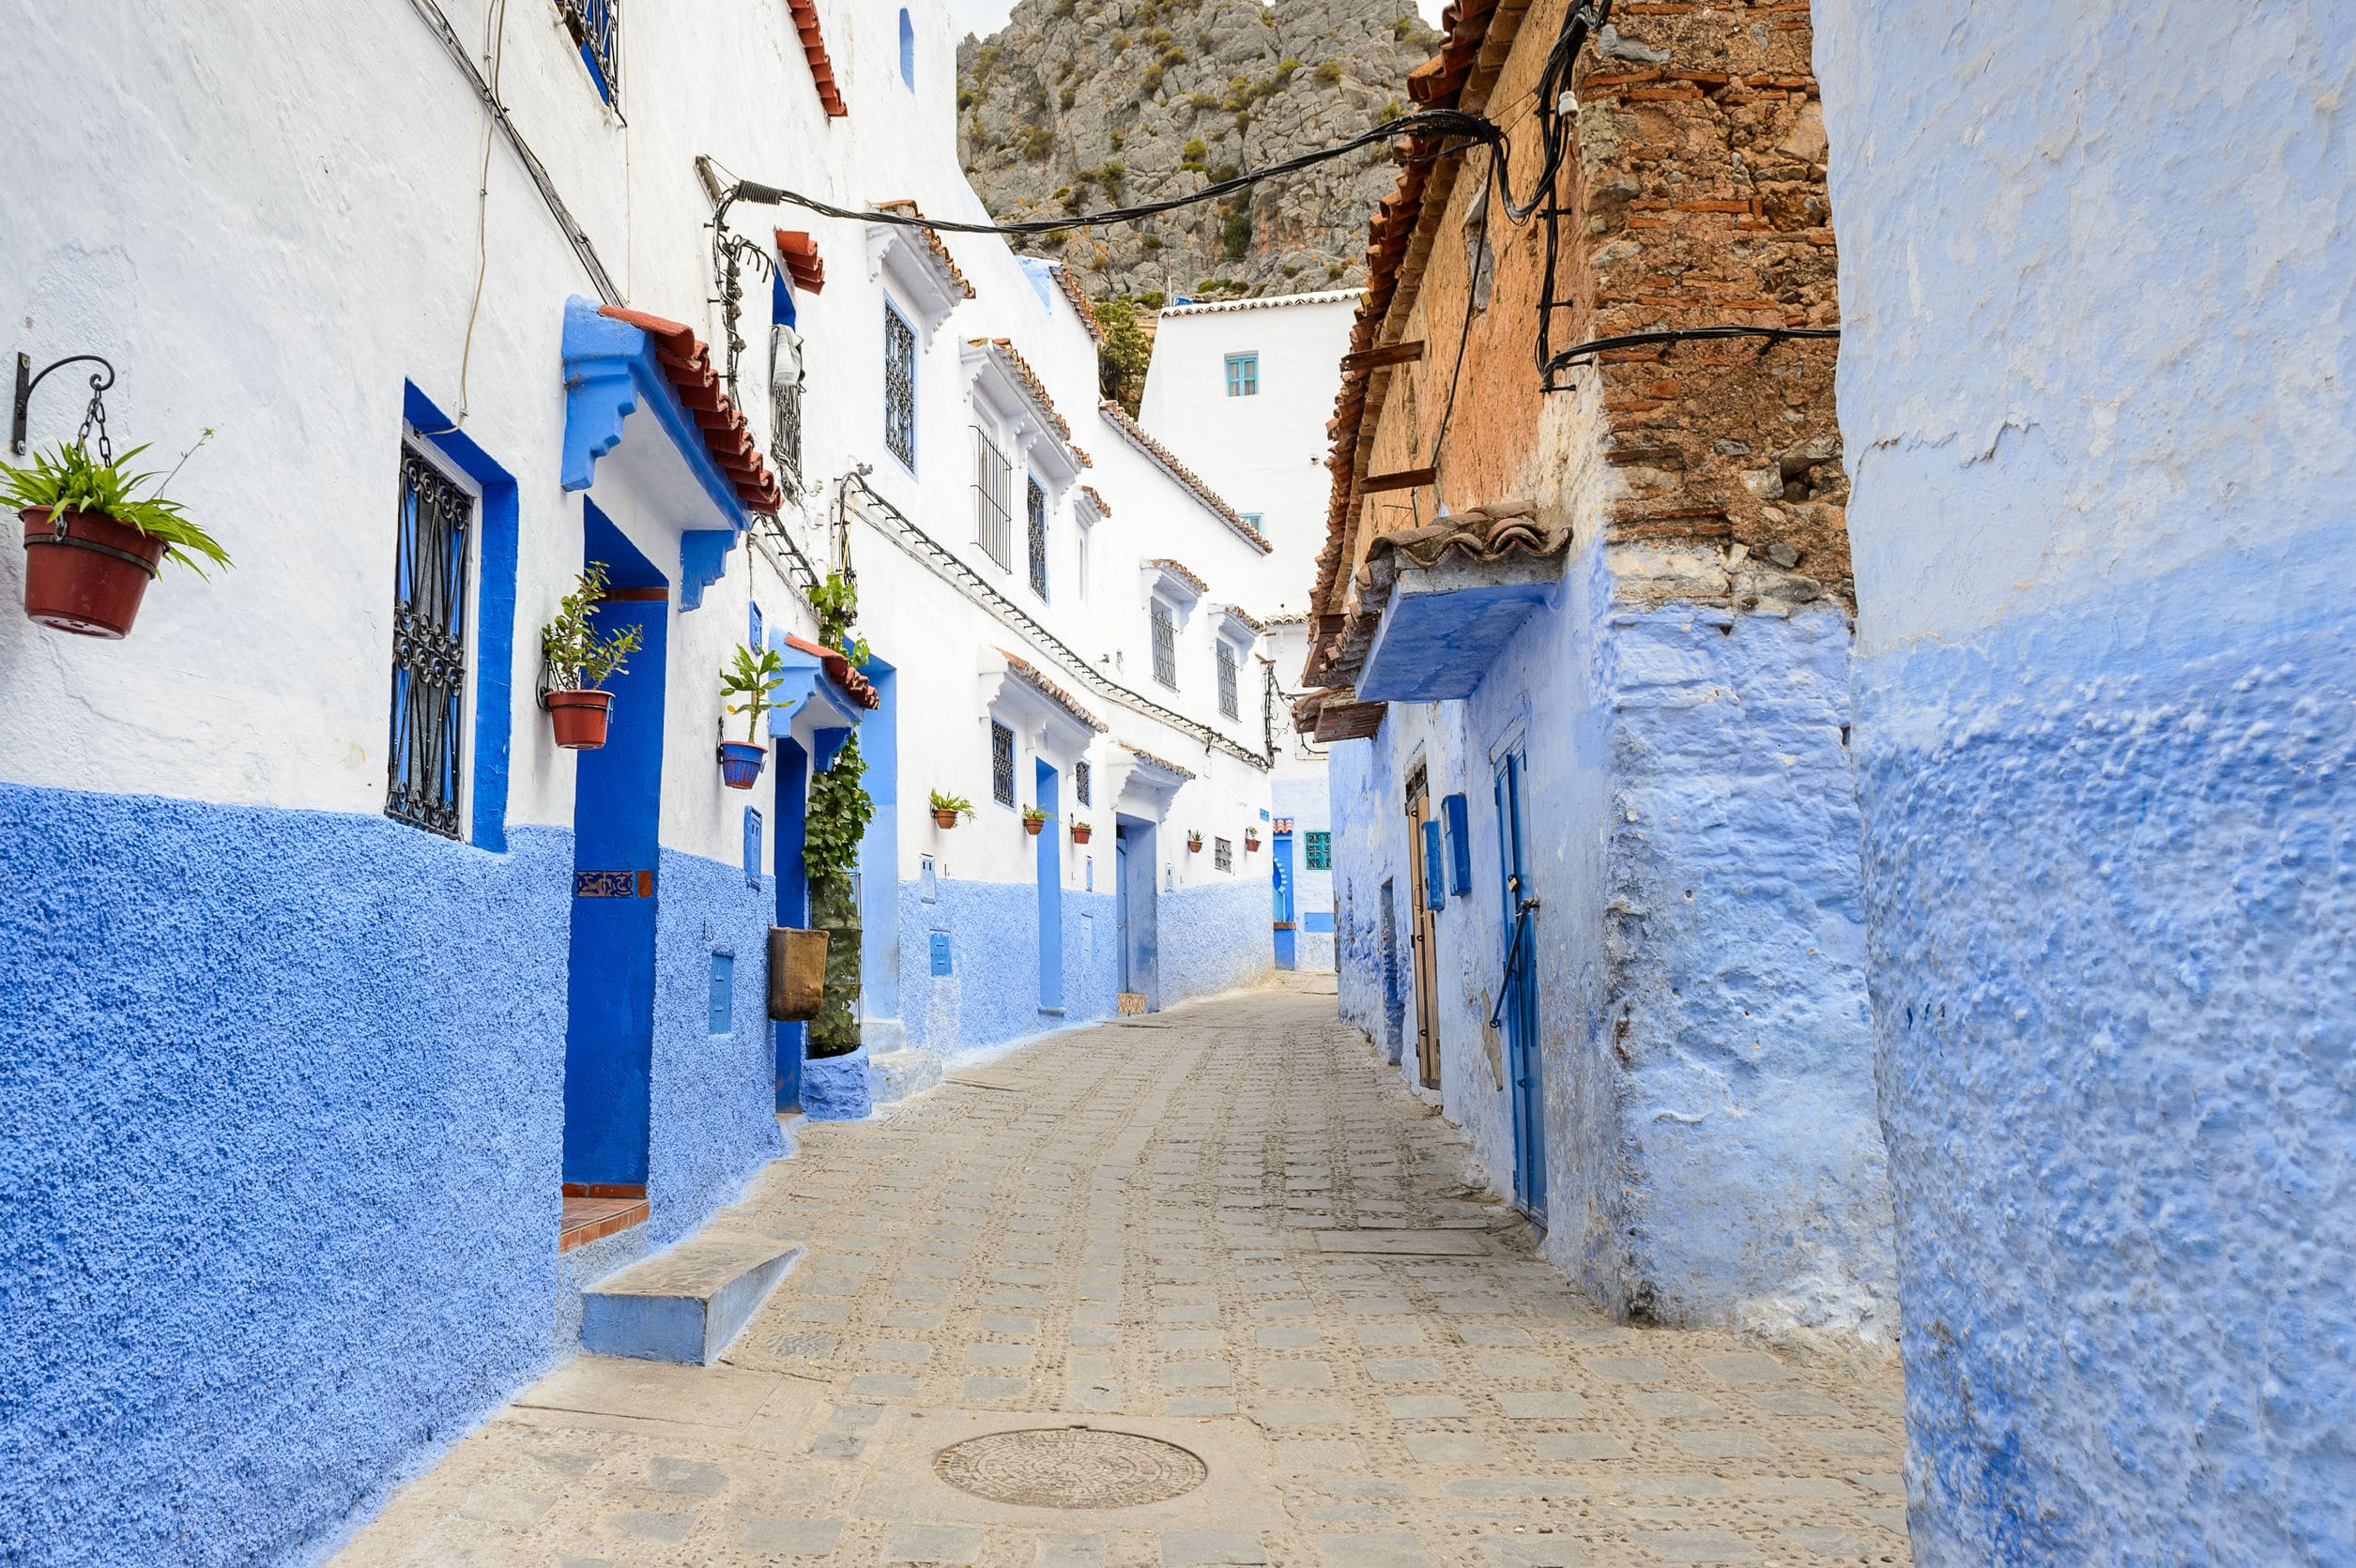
<point>984,16</point>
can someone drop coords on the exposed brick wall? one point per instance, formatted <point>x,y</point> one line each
<point>1696,197</point>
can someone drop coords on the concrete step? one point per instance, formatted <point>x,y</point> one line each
<point>901,1074</point>
<point>686,1303</point>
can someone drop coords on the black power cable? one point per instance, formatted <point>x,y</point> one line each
<point>1645,340</point>
<point>1440,123</point>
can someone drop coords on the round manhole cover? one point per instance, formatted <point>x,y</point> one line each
<point>1069,1467</point>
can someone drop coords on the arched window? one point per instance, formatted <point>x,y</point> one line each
<point>908,50</point>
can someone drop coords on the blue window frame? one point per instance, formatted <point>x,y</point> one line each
<point>722,1019</point>
<point>595,28</point>
<point>1243,375</point>
<point>752,847</point>
<point>1318,850</point>
<point>908,51</point>
<point>431,561</point>
<point>1254,520</point>
<point>899,386</point>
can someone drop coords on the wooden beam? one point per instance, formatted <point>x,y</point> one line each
<point>1406,478</point>
<point>1389,354</point>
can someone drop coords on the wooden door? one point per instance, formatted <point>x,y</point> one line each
<point>1422,934</point>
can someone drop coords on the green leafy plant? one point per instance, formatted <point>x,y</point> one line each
<point>70,480</point>
<point>753,675</point>
<point>957,803</point>
<point>1193,840</point>
<point>834,820</point>
<point>836,600</point>
<point>569,646</point>
<point>1032,814</point>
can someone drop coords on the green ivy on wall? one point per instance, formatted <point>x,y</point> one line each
<point>835,820</point>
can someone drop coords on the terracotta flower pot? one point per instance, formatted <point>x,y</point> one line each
<point>1250,844</point>
<point>580,718</point>
<point>1033,825</point>
<point>944,819</point>
<point>741,763</point>
<point>1194,847</point>
<point>1082,833</point>
<point>88,574</point>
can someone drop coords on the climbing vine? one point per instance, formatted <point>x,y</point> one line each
<point>834,820</point>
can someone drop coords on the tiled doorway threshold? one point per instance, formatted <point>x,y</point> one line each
<point>596,1210</point>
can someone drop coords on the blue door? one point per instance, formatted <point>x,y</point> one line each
<point>1050,890</point>
<point>1287,923</point>
<point>792,769</point>
<point>1517,1006</point>
<point>1120,901</point>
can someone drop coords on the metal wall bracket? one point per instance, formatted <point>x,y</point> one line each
<point>26,381</point>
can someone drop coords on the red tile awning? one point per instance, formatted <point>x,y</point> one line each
<point>800,254</point>
<point>687,363</point>
<point>806,22</point>
<point>856,686</point>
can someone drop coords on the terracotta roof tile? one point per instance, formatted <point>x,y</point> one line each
<point>1033,677</point>
<point>947,263</point>
<point>1020,369</point>
<point>1078,297</point>
<point>855,685</point>
<point>1488,533</point>
<point>806,22</point>
<point>1180,573</point>
<point>1152,761</point>
<point>1134,432</point>
<point>803,264</point>
<point>687,363</point>
<point>1096,500</point>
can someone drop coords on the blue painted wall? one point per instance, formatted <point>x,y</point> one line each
<point>2096,382</point>
<point>279,1099</point>
<point>1214,936</point>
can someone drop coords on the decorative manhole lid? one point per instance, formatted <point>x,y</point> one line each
<point>1070,1466</point>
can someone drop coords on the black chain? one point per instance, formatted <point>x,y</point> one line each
<point>96,415</point>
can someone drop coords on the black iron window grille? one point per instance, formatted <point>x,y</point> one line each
<point>1223,854</point>
<point>1227,681</point>
<point>899,387</point>
<point>785,402</point>
<point>1034,506</point>
<point>1165,646</point>
<point>1001,763</point>
<point>1319,848</point>
<point>595,25</point>
<point>429,647</point>
<point>1080,784</point>
<point>993,479</point>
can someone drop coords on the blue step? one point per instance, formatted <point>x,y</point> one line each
<point>685,1304</point>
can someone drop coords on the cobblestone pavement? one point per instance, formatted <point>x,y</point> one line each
<point>1159,1227</point>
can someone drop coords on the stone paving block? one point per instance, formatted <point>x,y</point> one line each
<point>1723,1445</point>
<point>1318,1454</point>
<point>1541,1404</point>
<point>1388,1336</point>
<point>1447,1448</point>
<point>1672,1405</point>
<point>663,1529</point>
<point>694,1478</point>
<point>1696,1545</point>
<point>1826,1541</point>
<point>985,1387</point>
<point>1537,1551</point>
<point>1403,1369</point>
<point>1518,1364</point>
<point>1579,1445</point>
<point>887,1385</point>
<point>1746,1368</point>
<point>1796,1403</point>
<point>935,1544</point>
<point>1194,1375</point>
<point>505,1505</point>
<point>1300,1413</point>
<point>1290,1339</point>
<point>999,1355</point>
<point>1422,1407</point>
<point>1296,1374</point>
<point>790,1537</point>
<point>1211,1548</point>
<point>1390,1549</point>
<point>1189,1339</point>
<point>1493,1333</point>
<point>1849,1444</point>
<point>1070,1551</point>
<point>1627,1369</point>
<point>1200,1405</point>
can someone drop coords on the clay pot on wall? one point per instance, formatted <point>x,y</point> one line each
<point>1033,825</point>
<point>1193,844</point>
<point>85,572</point>
<point>580,718</point>
<point>1082,833</point>
<point>741,763</point>
<point>1252,842</point>
<point>944,819</point>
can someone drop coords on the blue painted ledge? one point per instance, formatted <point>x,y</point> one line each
<point>835,1088</point>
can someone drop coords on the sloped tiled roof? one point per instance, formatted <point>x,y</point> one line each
<point>1033,677</point>
<point>1019,368</point>
<point>1163,458</point>
<point>803,264</point>
<point>1093,500</point>
<point>1149,760</point>
<point>855,685</point>
<point>1078,297</point>
<point>1483,534</point>
<point>1178,571</point>
<point>686,362</point>
<point>806,22</point>
<point>942,260</point>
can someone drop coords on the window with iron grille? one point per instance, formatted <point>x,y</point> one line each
<point>1165,646</point>
<point>1080,784</point>
<point>429,647</point>
<point>1227,681</point>
<point>1001,763</point>
<point>1243,375</point>
<point>1223,854</point>
<point>784,401</point>
<point>594,26</point>
<point>993,479</point>
<point>1034,508</point>
<point>1319,850</point>
<point>899,386</point>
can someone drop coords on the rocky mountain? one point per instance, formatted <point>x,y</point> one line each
<point>1079,105</point>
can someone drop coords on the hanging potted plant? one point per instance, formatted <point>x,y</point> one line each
<point>1033,821</point>
<point>948,808</point>
<point>579,662</point>
<point>1082,830</point>
<point>91,546</point>
<point>753,675</point>
<point>1194,844</point>
<point>1251,840</point>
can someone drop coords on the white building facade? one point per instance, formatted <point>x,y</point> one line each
<point>334,986</point>
<point>1242,390</point>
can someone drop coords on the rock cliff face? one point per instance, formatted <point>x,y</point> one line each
<point>1079,105</point>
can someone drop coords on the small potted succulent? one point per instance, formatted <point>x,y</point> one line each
<point>1033,821</point>
<point>753,675</point>
<point>1194,844</point>
<point>583,662</point>
<point>948,808</point>
<point>1251,840</point>
<point>91,545</point>
<point>1082,830</point>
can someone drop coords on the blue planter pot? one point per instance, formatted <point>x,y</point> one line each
<point>835,1088</point>
<point>741,763</point>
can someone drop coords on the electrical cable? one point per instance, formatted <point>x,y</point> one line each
<point>1423,123</point>
<point>1686,334</point>
<point>495,52</point>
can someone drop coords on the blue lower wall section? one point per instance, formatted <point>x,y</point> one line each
<point>2113,885</point>
<point>1215,937</point>
<point>280,1101</point>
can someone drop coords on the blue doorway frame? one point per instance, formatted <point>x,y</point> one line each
<point>793,899</point>
<point>1044,786</point>
<point>1286,920</point>
<point>617,818</point>
<point>1518,1005</point>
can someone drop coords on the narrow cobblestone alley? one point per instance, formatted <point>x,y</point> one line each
<point>1224,1228</point>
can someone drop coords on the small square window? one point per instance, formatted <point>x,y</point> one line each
<point>722,1019</point>
<point>1079,782</point>
<point>1223,854</point>
<point>1243,375</point>
<point>1258,527</point>
<point>1319,850</point>
<point>1165,645</point>
<point>1001,763</point>
<point>1227,681</point>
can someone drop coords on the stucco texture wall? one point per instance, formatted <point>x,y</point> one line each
<point>279,1116</point>
<point>991,995</point>
<point>2097,372</point>
<point>1215,934</point>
